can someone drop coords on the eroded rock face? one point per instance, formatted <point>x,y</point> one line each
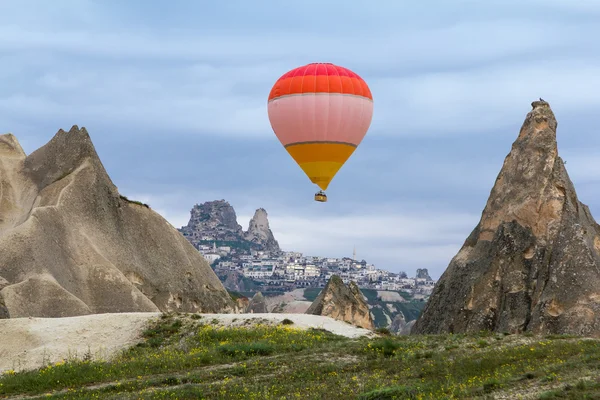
<point>260,233</point>
<point>344,303</point>
<point>236,281</point>
<point>422,273</point>
<point>398,323</point>
<point>241,304</point>
<point>71,245</point>
<point>532,263</point>
<point>214,219</point>
<point>257,304</point>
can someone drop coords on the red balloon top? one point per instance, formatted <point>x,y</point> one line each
<point>320,78</point>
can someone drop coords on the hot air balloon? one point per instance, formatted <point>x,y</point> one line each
<point>320,113</point>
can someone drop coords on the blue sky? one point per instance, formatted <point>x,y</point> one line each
<point>174,96</point>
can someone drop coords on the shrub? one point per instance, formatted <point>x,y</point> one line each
<point>383,331</point>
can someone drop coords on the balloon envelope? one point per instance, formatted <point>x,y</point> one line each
<point>320,113</point>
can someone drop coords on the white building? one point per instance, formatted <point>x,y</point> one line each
<point>312,271</point>
<point>259,271</point>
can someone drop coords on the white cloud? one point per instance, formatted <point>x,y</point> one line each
<point>196,101</point>
<point>492,98</point>
<point>428,80</point>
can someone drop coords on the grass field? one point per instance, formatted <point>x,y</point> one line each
<point>186,357</point>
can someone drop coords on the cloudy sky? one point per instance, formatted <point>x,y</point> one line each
<point>174,96</point>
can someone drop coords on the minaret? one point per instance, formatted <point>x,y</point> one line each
<point>354,254</point>
<point>214,247</point>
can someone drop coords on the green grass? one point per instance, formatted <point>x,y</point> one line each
<point>186,358</point>
<point>134,201</point>
<point>411,310</point>
<point>370,294</point>
<point>379,318</point>
<point>311,294</point>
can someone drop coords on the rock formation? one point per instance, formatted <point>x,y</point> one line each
<point>260,233</point>
<point>216,221</point>
<point>236,281</point>
<point>422,273</point>
<point>257,304</point>
<point>241,304</point>
<point>533,261</point>
<point>399,326</point>
<point>71,245</point>
<point>341,302</point>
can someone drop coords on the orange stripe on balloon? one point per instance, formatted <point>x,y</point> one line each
<point>320,84</point>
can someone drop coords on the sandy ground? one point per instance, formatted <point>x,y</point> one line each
<point>303,321</point>
<point>293,302</point>
<point>29,343</point>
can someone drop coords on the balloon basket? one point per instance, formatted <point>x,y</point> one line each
<point>321,197</point>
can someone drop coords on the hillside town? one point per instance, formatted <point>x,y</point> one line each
<point>255,254</point>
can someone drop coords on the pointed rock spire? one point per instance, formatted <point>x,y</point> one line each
<point>533,261</point>
<point>259,231</point>
<point>341,302</point>
<point>257,304</point>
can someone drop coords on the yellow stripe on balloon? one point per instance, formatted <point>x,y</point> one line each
<point>321,161</point>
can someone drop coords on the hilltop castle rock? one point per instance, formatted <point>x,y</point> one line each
<point>213,219</point>
<point>70,244</point>
<point>533,261</point>
<point>260,233</point>
<point>422,273</point>
<point>341,302</point>
<point>216,221</point>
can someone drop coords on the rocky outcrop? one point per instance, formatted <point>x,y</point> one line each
<point>216,221</point>
<point>406,329</point>
<point>398,323</point>
<point>257,304</point>
<point>241,304</point>
<point>213,220</point>
<point>533,261</point>
<point>71,245</point>
<point>422,273</point>
<point>341,302</point>
<point>260,233</point>
<point>399,326</point>
<point>236,281</point>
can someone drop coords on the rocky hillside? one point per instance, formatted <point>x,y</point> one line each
<point>532,263</point>
<point>216,221</point>
<point>70,244</point>
<point>385,306</point>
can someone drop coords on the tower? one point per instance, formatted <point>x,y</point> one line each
<point>354,254</point>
